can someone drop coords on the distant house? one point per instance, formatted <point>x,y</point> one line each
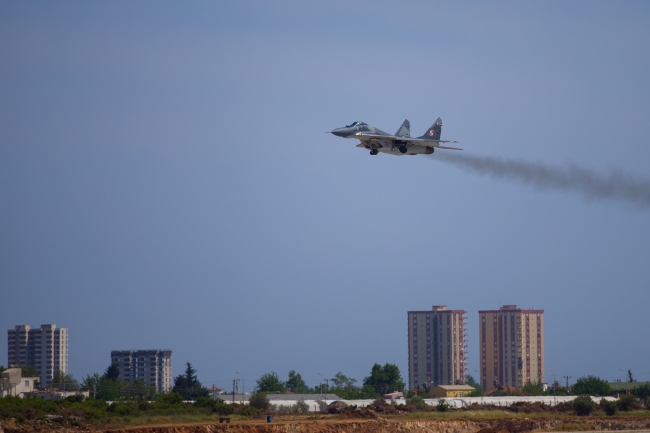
<point>230,398</point>
<point>13,383</point>
<point>450,391</point>
<point>215,390</point>
<point>503,390</point>
<point>394,395</point>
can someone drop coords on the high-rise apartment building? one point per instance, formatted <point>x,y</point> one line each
<point>511,342</point>
<point>44,348</point>
<point>437,345</point>
<point>153,367</point>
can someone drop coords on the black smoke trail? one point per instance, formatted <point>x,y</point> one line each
<point>613,185</point>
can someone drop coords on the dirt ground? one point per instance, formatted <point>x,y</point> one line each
<point>363,421</point>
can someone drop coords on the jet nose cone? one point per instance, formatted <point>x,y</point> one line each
<point>340,132</point>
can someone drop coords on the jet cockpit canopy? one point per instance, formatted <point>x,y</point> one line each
<point>355,124</point>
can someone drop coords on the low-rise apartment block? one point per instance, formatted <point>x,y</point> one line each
<point>12,383</point>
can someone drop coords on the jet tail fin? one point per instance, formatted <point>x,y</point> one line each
<point>433,133</point>
<point>404,130</point>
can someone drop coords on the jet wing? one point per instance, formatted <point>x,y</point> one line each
<point>447,147</point>
<point>363,136</point>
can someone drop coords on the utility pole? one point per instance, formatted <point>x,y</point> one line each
<point>243,386</point>
<point>233,391</point>
<point>567,381</point>
<point>321,384</point>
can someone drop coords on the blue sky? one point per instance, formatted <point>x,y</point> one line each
<point>165,179</point>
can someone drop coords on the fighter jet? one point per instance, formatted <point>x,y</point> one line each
<point>399,144</point>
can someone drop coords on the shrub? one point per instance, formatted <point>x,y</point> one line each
<point>169,399</point>
<point>302,407</point>
<point>247,410</point>
<point>417,402</point>
<point>642,391</point>
<point>628,402</point>
<point>74,398</point>
<point>204,402</point>
<point>96,404</point>
<point>259,401</point>
<point>123,409</point>
<point>442,405</point>
<point>583,405</point>
<point>222,408</point>
<point>94,414</point>
<point>610,407</point>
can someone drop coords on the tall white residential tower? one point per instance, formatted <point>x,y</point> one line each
<point>44,348</point>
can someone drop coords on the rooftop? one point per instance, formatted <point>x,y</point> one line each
<point>456,387</point>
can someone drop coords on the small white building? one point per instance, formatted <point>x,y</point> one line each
<point>13,383</point>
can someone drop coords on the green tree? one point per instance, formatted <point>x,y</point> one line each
<point>91,383</point>
<point>591,385</point>
<point>559,392</point>
<point>138,390</point>
<point>188,384</point>
<point>112,372</point>
<point>642,391</point>
<point>103,388</point>
<point>260,401</point>
<point>270,383</point>
<point>2,369</point>
<point>295,383</point>
<point>384,379</point>
<point>28,371</point>
<point>109,389</point>
<point>64,382</point>
<point>478,391</point>
<point>469,380</point>
<point>583,405</point>
<point>533,388</point>
<point>341,381</point>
